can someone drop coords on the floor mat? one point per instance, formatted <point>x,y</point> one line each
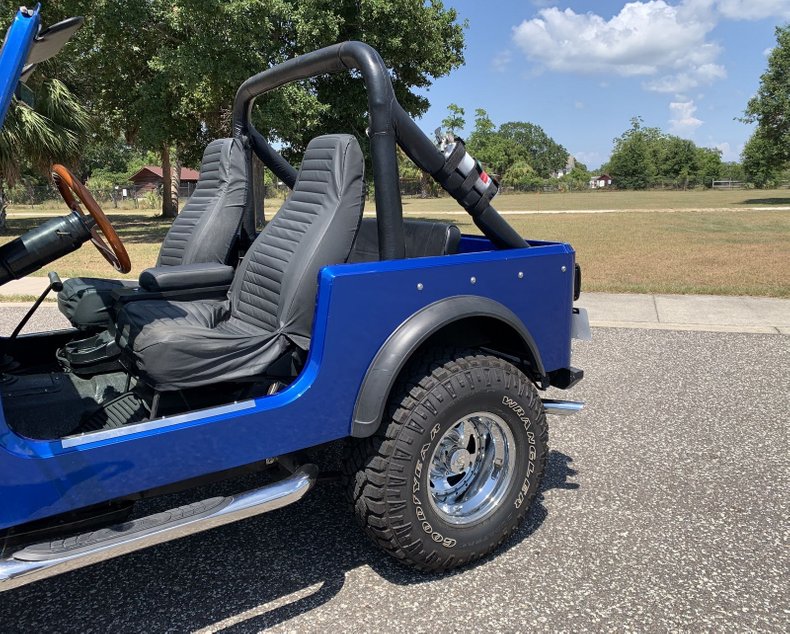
<point>125,409</point>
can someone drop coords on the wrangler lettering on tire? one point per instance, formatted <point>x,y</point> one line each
<point>452,470</point>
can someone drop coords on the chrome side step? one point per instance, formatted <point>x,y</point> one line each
<point>48,559</point>
<point>562,408</point>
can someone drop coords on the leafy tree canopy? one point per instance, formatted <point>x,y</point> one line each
<point>166,71</point>
<point>515,143</point>
<point>648,157</point>
<point>768,150</point>
<point>454,121</point>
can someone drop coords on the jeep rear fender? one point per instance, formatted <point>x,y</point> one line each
<point>465,320</point>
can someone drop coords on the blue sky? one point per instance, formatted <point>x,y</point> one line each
<point>581,69</point>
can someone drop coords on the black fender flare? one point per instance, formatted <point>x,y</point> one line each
<point>409,336</point>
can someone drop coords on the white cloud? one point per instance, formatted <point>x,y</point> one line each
<point>650,38</point>
<point>753,9</point>
<point>728,152</point>
<point>501,61</point>
<point>682,120</point>
<point>688,79</point>
<point>666,43</point>
<point>767,52</point>
<point>579,105</point>
<point>643,39</point>
<point>590,159</point>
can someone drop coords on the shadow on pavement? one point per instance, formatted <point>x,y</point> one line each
<point>242,577</point>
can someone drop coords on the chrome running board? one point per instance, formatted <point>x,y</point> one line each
<point>562,408</point>
<point>48,559</point>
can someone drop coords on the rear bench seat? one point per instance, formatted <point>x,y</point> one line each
<point>423,238</point>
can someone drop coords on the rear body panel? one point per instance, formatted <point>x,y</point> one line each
<point>358,307</point>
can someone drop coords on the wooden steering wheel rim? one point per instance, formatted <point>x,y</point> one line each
<point>68,186</point>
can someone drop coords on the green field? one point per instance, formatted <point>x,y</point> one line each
<point>727,249</point>
<point>620,200</point>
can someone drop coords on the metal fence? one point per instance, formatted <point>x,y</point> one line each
<point>120,196</point>
<point>728,184</point>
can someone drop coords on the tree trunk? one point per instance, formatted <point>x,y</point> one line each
<point>3,206</point>
<point>171,179</point>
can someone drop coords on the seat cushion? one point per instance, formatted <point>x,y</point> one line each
<point>423,238</point>
<point>85,301</point>
<point>175,345</point>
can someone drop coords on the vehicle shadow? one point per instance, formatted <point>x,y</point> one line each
<point>765,201</point>
<point>243,577</point>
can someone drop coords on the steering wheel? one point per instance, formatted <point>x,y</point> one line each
<point>68,186</point>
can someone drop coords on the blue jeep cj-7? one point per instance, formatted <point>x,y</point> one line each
<point>420,349</point>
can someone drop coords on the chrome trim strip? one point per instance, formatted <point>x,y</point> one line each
<point>562,408</point>
<point>84,439</point>
<point>15,572</point>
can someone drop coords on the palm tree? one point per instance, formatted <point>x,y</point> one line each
<point>52,129</point>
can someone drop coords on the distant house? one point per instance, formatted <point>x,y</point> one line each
<point>604,180</point>
<point>149,178</point>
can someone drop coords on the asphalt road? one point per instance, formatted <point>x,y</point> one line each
<point>665,507</point>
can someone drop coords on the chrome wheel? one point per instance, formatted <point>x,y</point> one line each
<point>471,468</point>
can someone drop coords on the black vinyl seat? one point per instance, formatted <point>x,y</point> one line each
<point>423,238</point>
<point>269,308</point>
<point>203,232</point>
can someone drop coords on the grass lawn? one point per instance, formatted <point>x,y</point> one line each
<point>622,200</point>
<point>729,251</point>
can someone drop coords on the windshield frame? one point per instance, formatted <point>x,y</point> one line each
<point>16,48</point>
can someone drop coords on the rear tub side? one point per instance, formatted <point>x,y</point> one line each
<point>358,307</point>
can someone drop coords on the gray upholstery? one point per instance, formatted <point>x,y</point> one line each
<point>270,305</point>
<point>203,232</point>
<point>86,301</point>
<point>205,229</point>
<point>186,276</point>
<point>423,238</point>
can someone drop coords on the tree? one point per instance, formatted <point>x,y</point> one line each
<point>529,143</point>
<point>521,176</point>
<point>732,171</point>
<point>709,166</point>
<point>577,179</point>
<point>51,129</point>
<point>648,157</point>
<point>676,161</point>
<point>761,160</point>
<point>454,121</point>
<point>487,145</point>
<point>770,109</point>
<point>166,71</point>
<point>630,164</point>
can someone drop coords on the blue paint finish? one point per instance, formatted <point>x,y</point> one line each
<point>19,40</point>
<point>358,307</point>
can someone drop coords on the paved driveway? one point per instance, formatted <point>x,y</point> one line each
<point>665,507</point>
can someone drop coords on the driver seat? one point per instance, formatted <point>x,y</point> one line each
<point>204,232</point>
<point>269,309</point>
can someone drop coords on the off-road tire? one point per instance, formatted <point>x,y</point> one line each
<point>386,475</point>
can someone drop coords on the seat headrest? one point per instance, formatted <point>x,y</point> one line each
<point>338,154</point>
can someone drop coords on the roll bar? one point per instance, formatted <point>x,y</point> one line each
<point>389,123</point>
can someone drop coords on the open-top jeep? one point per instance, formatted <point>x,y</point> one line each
<point>420,349</point>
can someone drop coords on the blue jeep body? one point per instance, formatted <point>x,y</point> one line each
<point>370,318</point>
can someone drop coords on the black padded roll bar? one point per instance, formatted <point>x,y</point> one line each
<point>388,122</point>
